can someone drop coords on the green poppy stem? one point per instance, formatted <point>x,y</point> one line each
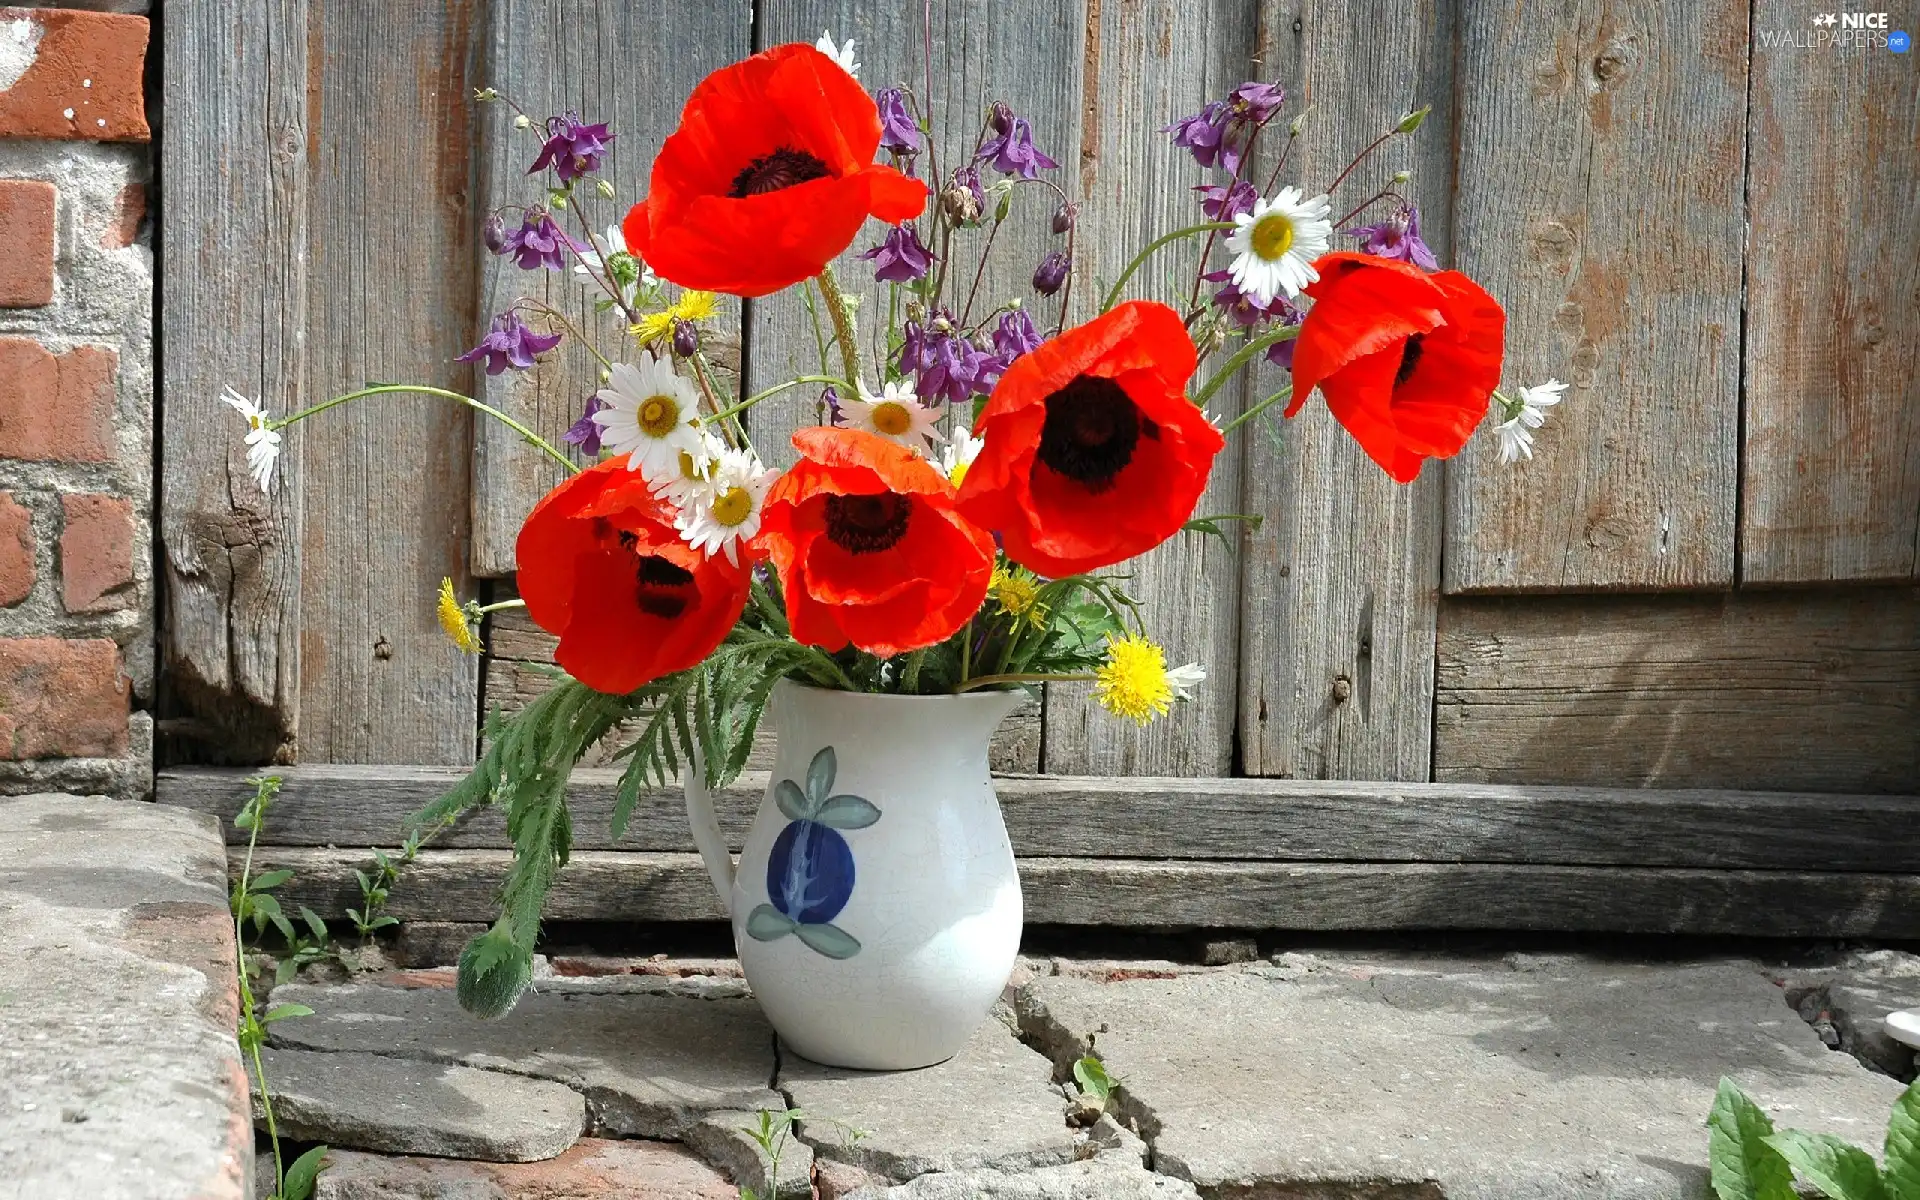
<point>389,389</point>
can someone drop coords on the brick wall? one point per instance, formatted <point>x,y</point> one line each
<point>76,401</point>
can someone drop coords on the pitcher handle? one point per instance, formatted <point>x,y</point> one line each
<point>706,834</point>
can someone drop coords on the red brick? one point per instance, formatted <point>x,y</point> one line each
<point>129,209</point>
<point>58,408</point>
<point>61,699</point>
<point>96,552</point>
<point>86,77</point>
<point>26,230</point>
<point>16,551</point>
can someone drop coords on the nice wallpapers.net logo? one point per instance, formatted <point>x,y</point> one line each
<point>1840,31</point>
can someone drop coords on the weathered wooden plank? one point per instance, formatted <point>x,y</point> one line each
<point>1814,691</point>
<point>1146,65</point>
<point>1600,200</point>
<point>1338,587</point>
<point>462,885</point>
<point>385,502</point>
<point>1264,819</point>
<point>1831,458</point>
<point>631,66</point>
<point>234,223</point>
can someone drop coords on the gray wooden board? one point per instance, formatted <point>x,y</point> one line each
<point>1600,200</point>
<point>233,216</point>
<point>1265,819</point>
<point>1790,690</point>
<point>1831,454</point>
<point>1144,66</point>
<point>1339,586</point>
<point>462,885</point>
<point>391,296</point>
<point>631,66</point>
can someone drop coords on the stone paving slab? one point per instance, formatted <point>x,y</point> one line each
<point>726,1140</point>
<point>119,1073</point>
<point>373,1102</point>
<point>651,1057</point>
<point>993,1105</point>
<point>1854,997</point>
<point>1112,1176</point>
<point>592,1170</point>
<point>1528,1078</point>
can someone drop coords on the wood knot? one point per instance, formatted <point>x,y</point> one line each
<point>383,649</point>
<point>1342,689</point>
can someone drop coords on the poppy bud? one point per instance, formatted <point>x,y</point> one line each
<point>1051,273</point>
<point>686,338</point>
<point>1002,117</point>
<point>493,235</point>
<point>1064,216</point>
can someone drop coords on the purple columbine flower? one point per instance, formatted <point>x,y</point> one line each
<point>539,243</point>
<point>1015,336</point>
<point>1200,133</point>
<point>898,133</point>
<point>1245,311</point>
<point>900,258</point>
<point>1255,103</point>
<point>1051,273</point>
<point>1223,202</point>
<point>686,338</point>
<point>1219,134</point>
<point>493,235</point>
<point>944,363</point>
<point>1013,151</point>
<point>1284,311</point>
<point>585,433</point>
<point>1397,237</point>
<point>509,343</point>
<point>964,199</point>
<point>572,149</point>
<point>831,398</point>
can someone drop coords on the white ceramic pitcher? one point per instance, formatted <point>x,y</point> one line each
<point>876,908</point>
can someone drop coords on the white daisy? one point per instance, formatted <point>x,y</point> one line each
<point>842,54</point>
<point>650,414</point>
<point>959,454</point>
<point>1274,245</point>
<point>1525,415</point>
<point>727,511</point>
<point>263,444</point>
<point>693,479</point>
<point>1184,679</point>
<point>896,414</point>
<point>615,243</point>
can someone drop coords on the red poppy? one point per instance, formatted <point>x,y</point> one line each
<point>1093,451</point>
<point>1406,360</point>
<point>868,543</point>
<point>602,566</point>
<point>769,176</point>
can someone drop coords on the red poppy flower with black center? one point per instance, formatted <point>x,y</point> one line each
<point>602,567</point>
<point>1406,360</point>
<point>1093,452</point>
<point>867,541</point>
<point>769,176</point>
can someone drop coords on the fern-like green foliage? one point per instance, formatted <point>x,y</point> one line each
<point>1753,1162</point>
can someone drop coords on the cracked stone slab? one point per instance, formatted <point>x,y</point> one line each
<point>592,1170</point>
<point>1856,997</point>
<point>1528,1078</point>
<point>725,1140</point>
<point>119,1073</point>
<point>993,1105</point>
<point>399,1106</point>
<point>1110,1176</point>
<point>651,1060</point>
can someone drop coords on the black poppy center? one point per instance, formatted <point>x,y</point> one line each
<point>783,168</point>
<point>867,524</point>
<point>662,589</point>
<point>1409,358</point>
<point>1091,431</point>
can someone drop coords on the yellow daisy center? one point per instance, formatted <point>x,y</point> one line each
<point>892,418</point>
<point>692,469</point>
<point>733,506</point>
<point>958,475</point>
<point>1132,683</point>
<point>1272,236</point>
<point>658,415</point>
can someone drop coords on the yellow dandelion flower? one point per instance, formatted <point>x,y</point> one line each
<point>691,306</point>
<point>1132,683</point>
<point>1017,592</point>
<point>454,619</point>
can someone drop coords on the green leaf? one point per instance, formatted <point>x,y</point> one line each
<point>302,1174</point>
<point>383,922</point>
<point>1839,1170</point>
<point>314,923</point>
<point>366,884</point>
<point>768,924</point>
<point>1091,1074</point>
<point>285,971</point>
<point>281,1012</point>
<point>1903,1146</point>
<point>847,812</point>
<point>830,940</point>
<point>1744,1166</point>
<point>268,880</point>
<point>820,773</point>
<point>791,802</point>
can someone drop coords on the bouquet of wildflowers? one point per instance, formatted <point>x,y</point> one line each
<point>955,520</point>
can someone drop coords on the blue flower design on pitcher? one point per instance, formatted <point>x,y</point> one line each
<point>810,868</point>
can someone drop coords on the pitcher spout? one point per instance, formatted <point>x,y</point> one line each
<point>705,824</point>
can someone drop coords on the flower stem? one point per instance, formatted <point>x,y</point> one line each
<point>776,389</point>
<point>1239,360</point>
<point>389,389</point>
<point>1113,293</point>
<point>842,323</point>
<point>555,314</point>
<point>504,604</point>
<point>1206,251</point>
<point>1285,393</point>
<point>980,681</point>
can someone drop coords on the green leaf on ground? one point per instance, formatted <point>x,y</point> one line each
<point>1903,1146</point>
<point>281,1012</point>
<point>302,1174</point>
<point>1841,1171</point>
<point>1091,1074</point>
<point>1745,1167</point>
